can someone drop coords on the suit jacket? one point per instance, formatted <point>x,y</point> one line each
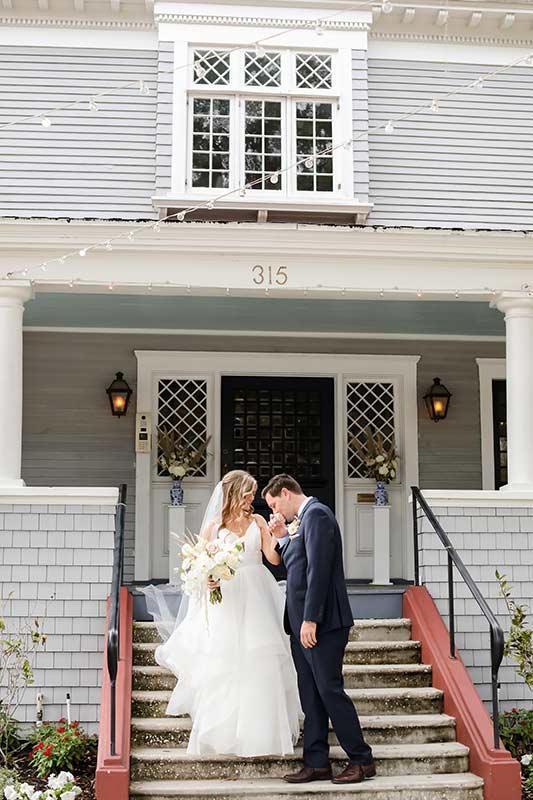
<point>316,588</point>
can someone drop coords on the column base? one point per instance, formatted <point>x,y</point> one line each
<point>11,483</point>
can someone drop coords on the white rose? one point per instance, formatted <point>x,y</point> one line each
<point>383,470</point>
<point>10,792</point>
<point>526,760</point>
<point>379,459</point>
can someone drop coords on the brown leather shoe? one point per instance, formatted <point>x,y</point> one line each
<point>356,773</point>
<point>308,774</point>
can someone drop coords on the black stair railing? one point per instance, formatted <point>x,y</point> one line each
<point>454,559</point>
<point>113,632</point>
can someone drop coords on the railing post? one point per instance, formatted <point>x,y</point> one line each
<point>451,607</point>
<point>415,535</point>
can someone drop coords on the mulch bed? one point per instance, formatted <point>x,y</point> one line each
<point>85,775</point>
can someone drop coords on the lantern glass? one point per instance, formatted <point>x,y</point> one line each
<point>119,394</point>
<point>437,400</point>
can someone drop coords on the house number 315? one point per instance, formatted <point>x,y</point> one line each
<point>271,276</point>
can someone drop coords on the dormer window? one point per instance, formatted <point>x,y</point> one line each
<point>253,113</point>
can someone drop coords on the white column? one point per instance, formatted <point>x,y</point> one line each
<point>13,295</point>
<point>518,310</point>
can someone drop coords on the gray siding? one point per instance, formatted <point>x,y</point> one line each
<point>87,164</point>
<point>165,83</point>
<point>71,439</point>
<point>468,166</point>
<point>360,122</point>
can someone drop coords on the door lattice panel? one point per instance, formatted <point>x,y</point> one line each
<point>368,404</point>
<point>182,406</point>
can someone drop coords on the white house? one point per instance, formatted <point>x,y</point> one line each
<point>280,223</point>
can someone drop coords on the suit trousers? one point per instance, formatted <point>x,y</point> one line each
<point>321,687</point>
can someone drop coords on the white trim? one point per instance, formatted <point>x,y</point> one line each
<point>432,50</point>
<point>59,495</point>
<point>414,337</point>
<point>76,32</point>
<point>457,498</point>
<point>490,369</point>
<point>153,363</point>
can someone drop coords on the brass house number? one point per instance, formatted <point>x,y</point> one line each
<point>269,276</point>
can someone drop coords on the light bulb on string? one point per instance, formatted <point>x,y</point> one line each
<point>46,122</point>
<point>188,288</point>
<point>199,71</point>
<point>386,6</point>
<point>435,105</point>
<point>260,51</point>
<point>309,162</point>
<point>93,106</point>
<point>180,216</point>
<point>62,259</point>
<point>43,267</point>
<point>210,204</point>
<point>150,287</point>
<point>347,144</point>
<point>381,292</point>
<point>156,227</point>
<point>83,252</point>
<point>389,127</point>
<point>274,178</point>
<point>131,234</point>
<point>242,191</point>
<point>227,290</point>
<point>419,293</point>
<point>111,287</point>
<point>108,246</point>
<point>143,88</point>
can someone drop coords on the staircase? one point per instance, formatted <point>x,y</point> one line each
<point>414,743</point>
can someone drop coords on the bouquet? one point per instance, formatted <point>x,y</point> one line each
<point>380,461</point>
<point>177,457</point>
<point>204,560</point>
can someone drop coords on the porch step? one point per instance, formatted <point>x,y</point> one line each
<point>398,759</point>
<point>464,786</point>
<point>358,652</point>
<point>367,630</point>
<point>413,729</point>
<point>356,676</point>
<point>368,701</point>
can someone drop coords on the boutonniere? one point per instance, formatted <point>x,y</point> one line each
<point>292,529</point>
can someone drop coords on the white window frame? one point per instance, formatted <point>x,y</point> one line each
<point>340,96</point>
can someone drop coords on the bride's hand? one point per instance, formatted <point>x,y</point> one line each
<point>211,584</point>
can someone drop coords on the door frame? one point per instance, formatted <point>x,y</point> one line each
<point>490,369</point>
<point>155,364</point>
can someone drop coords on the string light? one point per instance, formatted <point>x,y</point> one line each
<point>242,191</point>
<point>389,127</point>
<point>309,162</point>
<point>434,105</point>
<point>418,293</point>
<point>83,252</point>
<point>156,227</point>
<point>210,204</point>
<point>274,178</point>
<point>93,106</point>
<point>108,246</point>
<point>260,51</point>
<point>143,87</point>
<point>319,30</point>
<point>43,268</point>
<point>46,122</point>
<point>386,6</point>
<point>199,71</point>
<point>131,234</point>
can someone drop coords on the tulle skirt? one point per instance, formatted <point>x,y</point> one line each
<point>236,677</point>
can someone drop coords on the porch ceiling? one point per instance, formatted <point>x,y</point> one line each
<point>134,312</point>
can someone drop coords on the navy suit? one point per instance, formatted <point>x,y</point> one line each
<point>316,592</point>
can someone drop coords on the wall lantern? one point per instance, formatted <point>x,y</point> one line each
<point>437,400</point>
<point>119,394</point>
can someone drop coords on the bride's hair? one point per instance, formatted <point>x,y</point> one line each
<point>235,485</point>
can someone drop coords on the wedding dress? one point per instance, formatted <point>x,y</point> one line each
<point>236,677</point>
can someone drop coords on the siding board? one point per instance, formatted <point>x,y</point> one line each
<point>87,164</point>
<point>468,166</point>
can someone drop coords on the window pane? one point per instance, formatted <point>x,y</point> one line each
<point>313,137</point>
<point>262,70</point>
<point>313,71</point>
<point>211,67</point>
<point>262,151</point>
<point>210,143</point>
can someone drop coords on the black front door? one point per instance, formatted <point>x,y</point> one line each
<point>273,425</point>
<point>499,418</point>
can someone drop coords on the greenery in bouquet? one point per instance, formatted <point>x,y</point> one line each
<point>177,457</point>
<point>59,746</point>
<point>380,459</point>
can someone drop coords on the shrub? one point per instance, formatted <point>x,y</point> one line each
<point>59,746</point>
<point>516,731</point>
<point>7,776</point>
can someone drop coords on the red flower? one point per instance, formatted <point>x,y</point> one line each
<point>60,730</point>
<point>39,746</point>
<point>47,752</point>
<point>76,733</point>
<point>75,724</point>
<point>30,756</point>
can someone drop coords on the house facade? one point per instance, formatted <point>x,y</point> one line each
<point>280,223</point>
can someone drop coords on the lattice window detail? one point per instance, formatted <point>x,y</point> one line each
<point>182,406</point>
<point>212,67</point>
<point>262,69</point>
<point>368,404</point>
<point>313,71</point>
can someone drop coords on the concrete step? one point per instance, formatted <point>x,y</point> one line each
<point>368,701</point>
<point>412,729</point>
<point>356,676</point>
<point>160,764</point>
<point>372,652</point>
<point>464,786</point>
<point>367,630</point>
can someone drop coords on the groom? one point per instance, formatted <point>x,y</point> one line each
<point>318,619</point>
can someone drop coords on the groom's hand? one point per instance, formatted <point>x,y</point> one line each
<point>277,526</point>
<point>308,634</point>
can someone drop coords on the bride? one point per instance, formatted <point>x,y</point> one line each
<point>236,677</point>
